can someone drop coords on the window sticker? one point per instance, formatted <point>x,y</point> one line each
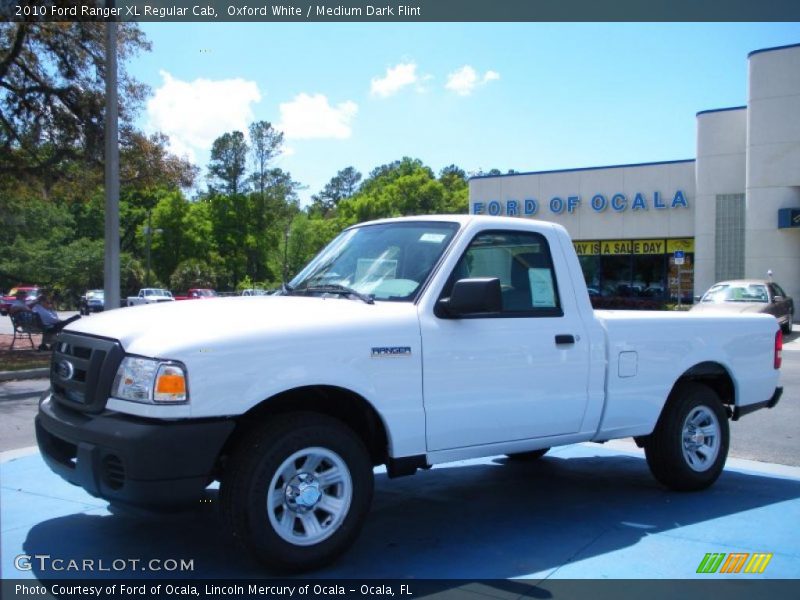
<point>434,238</point>
<point>542,288</point>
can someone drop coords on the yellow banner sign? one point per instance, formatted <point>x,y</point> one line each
<point>685,244</point>
<point>617,247</point>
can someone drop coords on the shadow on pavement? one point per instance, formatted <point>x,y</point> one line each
<point>495,519</point>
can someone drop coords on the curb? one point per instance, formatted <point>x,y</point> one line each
<point>25,374</point>
<point>22,395</point>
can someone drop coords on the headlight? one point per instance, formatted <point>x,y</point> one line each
<point>150,381</point>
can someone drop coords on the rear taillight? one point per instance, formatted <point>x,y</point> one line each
<point>778,349</point>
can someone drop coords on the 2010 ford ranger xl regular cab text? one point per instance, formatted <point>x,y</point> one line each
<point>405,342</point>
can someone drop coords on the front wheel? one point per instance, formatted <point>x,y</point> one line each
<point>689,446</point>
<point>297,491</point>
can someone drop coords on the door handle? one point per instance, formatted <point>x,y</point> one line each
<point>564,339</point>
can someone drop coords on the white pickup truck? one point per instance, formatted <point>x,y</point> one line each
<point>406,343</point>
<point>150,296</point>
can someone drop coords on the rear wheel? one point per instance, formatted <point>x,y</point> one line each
<point>688,449</point>
<point>528,456</point>
<point>297,490</point>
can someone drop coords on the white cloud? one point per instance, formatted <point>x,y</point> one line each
<point>463,81</point>
<point>312,117</point>
<point>193,114</point>
<point>396,78</point>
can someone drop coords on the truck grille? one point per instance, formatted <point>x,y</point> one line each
<point>82,370</point>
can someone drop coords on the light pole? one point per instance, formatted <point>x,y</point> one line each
<point>111,267</point>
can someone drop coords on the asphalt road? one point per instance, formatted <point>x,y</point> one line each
<point>766,435</point>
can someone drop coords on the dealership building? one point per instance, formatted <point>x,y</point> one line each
<point>671,229</point>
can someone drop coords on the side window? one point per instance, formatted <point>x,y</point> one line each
<point>777,291</point>
<point>523,264</point>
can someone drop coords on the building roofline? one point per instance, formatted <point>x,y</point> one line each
<point>647,164</point>
<point>773,49</point>
<point>716,110</point>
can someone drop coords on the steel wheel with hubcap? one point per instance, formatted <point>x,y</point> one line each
<point>297,490</point>
<point>701,438</point>
<point>689,446</point>
<point>309,496</point>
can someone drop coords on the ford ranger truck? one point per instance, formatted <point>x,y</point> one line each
<point>406,343</point>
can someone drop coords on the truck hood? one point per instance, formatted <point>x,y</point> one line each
<point>174,329</point>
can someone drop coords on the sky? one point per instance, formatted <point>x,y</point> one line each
<point>522,96</point>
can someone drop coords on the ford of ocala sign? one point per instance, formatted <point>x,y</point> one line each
<point>618,202</point>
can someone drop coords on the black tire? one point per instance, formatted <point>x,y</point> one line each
<point>674,457</point>
<point>786,328</point>
<point>528,456</point>
<point>259,464</point>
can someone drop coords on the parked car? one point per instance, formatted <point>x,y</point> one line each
<point>92,301</point>
<point>749,296</point>
<point>32,293</point>
<point>150,296</point>
<point>197,294</point>
<point>255,292</point>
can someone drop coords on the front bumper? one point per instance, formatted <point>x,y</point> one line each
<point>131,460</point>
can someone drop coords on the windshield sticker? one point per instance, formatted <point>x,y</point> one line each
<point>435,238</point>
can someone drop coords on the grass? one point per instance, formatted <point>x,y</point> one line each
<point>22,356</point>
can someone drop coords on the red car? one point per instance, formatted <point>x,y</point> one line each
<point>32,293</point>
<point>198,294</point>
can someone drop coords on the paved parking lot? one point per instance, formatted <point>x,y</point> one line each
<point>586,511</point>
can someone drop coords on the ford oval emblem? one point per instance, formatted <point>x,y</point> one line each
<point>65,370</point>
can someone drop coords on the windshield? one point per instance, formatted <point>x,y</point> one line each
<point>744,292</point>
<point>387,261</point>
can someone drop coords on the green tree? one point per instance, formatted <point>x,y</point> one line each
<point>228,166</point>
<point>193,273</point>
<point>52,95</point>
<point>265,144</point>
<point>404,187</point>
<point>342,185</point>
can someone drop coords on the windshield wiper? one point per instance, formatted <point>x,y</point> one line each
<point>335,288</point>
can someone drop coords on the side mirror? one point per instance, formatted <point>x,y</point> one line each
<point>696,299</point>
<point>777,298</point>
<point>480,295</point>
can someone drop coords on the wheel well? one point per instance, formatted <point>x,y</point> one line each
<point>715,376</point>
<point>339,403</point>
<point>712,374</point>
